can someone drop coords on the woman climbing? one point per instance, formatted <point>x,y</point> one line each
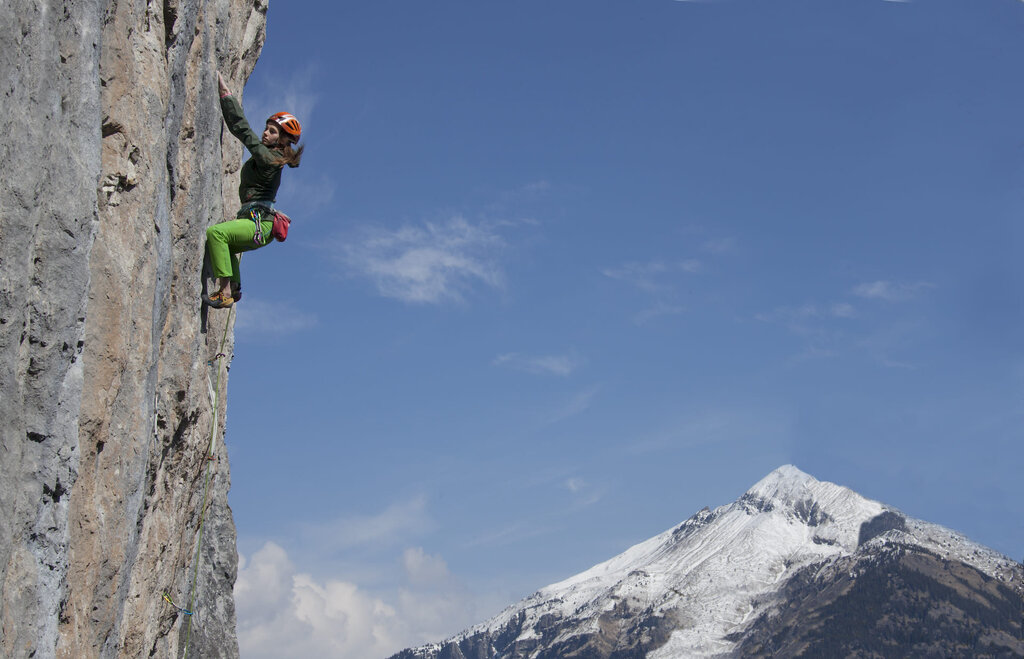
<point>260,178</point>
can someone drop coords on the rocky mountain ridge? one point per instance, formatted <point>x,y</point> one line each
<point>117,167</point>
<point>794,567</point>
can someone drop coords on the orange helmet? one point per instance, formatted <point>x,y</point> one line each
<point>288,124</point>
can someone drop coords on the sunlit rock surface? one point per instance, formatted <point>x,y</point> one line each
<point>114,168</point>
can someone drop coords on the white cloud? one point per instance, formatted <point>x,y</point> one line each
<point>561,365</point>
<point>424,569</point>
<point>286,613</point>
<point>889,291</point>
<point>432,263</point>
<point>575,485</point>
<point>266,319</point>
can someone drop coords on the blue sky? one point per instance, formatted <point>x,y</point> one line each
<point>562,273</point>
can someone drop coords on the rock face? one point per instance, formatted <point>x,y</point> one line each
<point>116,163</point>
<point>793,568</point>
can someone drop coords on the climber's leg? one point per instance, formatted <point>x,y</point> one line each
<point>223,243</point>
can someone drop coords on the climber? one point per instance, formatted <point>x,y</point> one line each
<point>253,226</point>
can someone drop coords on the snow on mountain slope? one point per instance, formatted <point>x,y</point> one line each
<point>718,570</point>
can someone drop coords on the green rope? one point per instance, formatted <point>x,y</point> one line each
<point>189,610</point>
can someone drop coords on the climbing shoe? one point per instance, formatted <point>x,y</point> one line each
<point>236,292</point>
<point>220,301</point>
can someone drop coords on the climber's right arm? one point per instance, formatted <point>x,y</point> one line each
<point>239,127</point>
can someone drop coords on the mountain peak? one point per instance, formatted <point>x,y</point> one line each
<point>786,482</point>
<point>743,579</point>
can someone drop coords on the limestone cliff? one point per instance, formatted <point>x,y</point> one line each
<point>115,163</point>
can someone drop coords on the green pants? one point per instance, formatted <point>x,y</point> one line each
<point>225,241</point>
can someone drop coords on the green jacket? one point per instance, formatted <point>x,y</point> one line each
<point>260,176</point>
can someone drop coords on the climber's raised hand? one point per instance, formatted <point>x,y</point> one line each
<point>224,91</point>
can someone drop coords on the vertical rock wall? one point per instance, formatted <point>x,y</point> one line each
<point>50,59</point>
<point>117,166</point>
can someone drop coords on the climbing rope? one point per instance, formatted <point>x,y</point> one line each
<point>209,460</point>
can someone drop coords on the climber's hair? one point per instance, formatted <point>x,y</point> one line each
<point>290,156</point>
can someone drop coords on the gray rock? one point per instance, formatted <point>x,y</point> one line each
<point>116,165</point>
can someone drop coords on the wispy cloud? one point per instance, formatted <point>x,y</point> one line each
<point>842,310</point>
<point>660,282</point>
<point>395,524</point>
<point>717,425</point>
<point>824,327</point>
<point>839,327</point>
<point>641,275</point>
<point>560,365</point>
<point>804,319</point>
<point>429,263</point>
<point>577,493</point>
<point>260,319</point>
<point>584,494</point>
<point>575,485</point>
<point>651,276</point>
<point>507,535</point>
<point>577,404</point>
<point>719,245</point>
<point>890,339</point>
<point>659,310</point>
<point>525,193</point>
<point>890,291</point>
<point>286,613</point>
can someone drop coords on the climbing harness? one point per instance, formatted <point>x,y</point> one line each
<point>256,209</point>
<point>209,459</point>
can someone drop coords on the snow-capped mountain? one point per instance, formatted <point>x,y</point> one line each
<point>795,566</point>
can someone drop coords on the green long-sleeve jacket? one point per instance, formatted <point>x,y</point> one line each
<point>260,176</point>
